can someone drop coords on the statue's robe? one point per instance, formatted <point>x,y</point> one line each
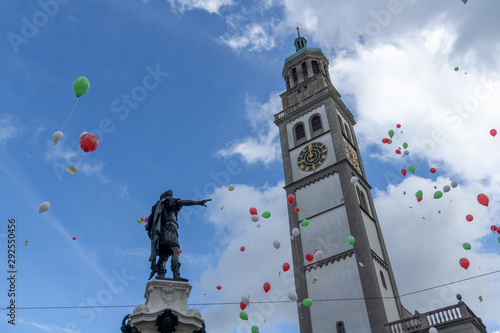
<point>163,237</point>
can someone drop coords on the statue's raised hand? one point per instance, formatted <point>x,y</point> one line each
<point>203,202</point>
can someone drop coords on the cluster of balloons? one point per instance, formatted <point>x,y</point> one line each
<point>438,194</point>
<point>142,219</point>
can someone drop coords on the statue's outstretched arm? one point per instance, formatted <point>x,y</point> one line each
<point>193,202</point>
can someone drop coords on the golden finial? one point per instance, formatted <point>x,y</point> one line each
<point>298,32</point>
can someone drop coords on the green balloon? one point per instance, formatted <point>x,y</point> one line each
<point>350,240</point>
<point>438,194</point>
<point>243,315</point>
<point>405,145</point>
<point>391,133</point>
<point>81,85</point>
<point>498,239</point>
<point>456,69</point>
<point>411,168</point>
<point>419,194</point>
<point>255,329</point>
<point>266,214</point>
<point>307,302</point>
<point>139,221</point>
<point>466,246</point>
<point>304,223</point>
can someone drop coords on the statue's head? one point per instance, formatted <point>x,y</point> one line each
<point>169,193</point>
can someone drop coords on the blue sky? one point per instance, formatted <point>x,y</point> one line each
<point>211,73</point>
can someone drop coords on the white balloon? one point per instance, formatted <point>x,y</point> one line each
<point>258,225</point>
<point>295,231</point>
<point>57,135</point>
<point>44,206</point>
<point>291,237</point>
<point>319,255</point>
<point>277,244</point>
<point>245,299</point>
<point>292,296</point>
<point>354,180</point>
<point>83,133</point>
<point>389,142</point>
<point>446,188</point>
<point>255,218</point>
<point>433,330</point>
<point>454,184</point>
<point>406,152</point>
<point>230,187</point>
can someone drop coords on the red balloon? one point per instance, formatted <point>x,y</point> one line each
<point>469,218</point>
<point>297,209</point>
<point>74,238</point>
<point>403,172</point>
<point>219,287</point>
<point>309,257</point>
<point>419,199</point>
<point>398,151</point>
<point>89,142</point>
<point>180,251</point>
<point>316,251</point>
<point>291,198</point>
<point>464,262</point>
<point>253,211</point>
<point>398,125</point>
<point>242,306</point>
<point>493,132</point>
<point>267,287</point>
<point>494,228</point>
<point>242,248</point>
<point>498,230</point>
<point>286,267</point>
<point>483,199</point>
<point>385,140</point>
<point>142,219</point>
<point>146,219</point>
<point>433,170</point>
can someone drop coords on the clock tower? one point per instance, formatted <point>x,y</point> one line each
<point>352,285</point>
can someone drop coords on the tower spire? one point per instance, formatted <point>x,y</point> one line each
<point>300,42</point>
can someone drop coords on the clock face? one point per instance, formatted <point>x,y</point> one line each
<point>352,156</point>
<point>312,156</point>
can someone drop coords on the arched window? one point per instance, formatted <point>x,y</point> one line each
<point>304,70</point>
<point>383,279</point>
<point>340,327</point>
<point>362,199</point>
<point>315,67</point>
<point>294,75</point>
<point>287,82</point>
<point>316,123</point>
<point>300,132</point>
<point>347,132</point>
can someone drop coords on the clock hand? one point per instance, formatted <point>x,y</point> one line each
<point>310,151</point>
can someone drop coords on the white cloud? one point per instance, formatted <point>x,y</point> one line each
<point>211,6</point>
<point>263,146</point>
<point>7,129</point>
<point>253,37</point>
<point>240,273</point>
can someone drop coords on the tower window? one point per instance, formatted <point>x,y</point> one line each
<point>347,132</point>
<point>294,75</point>
<point>304,70</point>
<point>362,199</point>
<point>341,127</point>
<point>340,327</point>
<point>300,132</point>
<point>287,82</point>
<point>383,279</point>
<point>316,123</point>
<point>299,92</point>
<point>315,67</point>
<point>305,88</point>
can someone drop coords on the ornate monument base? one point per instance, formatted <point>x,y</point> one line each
<point>161,295</point>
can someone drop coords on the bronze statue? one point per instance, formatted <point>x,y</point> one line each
<point>162,230</point>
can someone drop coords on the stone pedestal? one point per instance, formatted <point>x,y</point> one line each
<point>164,294</point>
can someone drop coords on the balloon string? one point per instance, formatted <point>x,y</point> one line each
<point>41,145</point>
<point>73,109</point>
<point>83,157</point>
